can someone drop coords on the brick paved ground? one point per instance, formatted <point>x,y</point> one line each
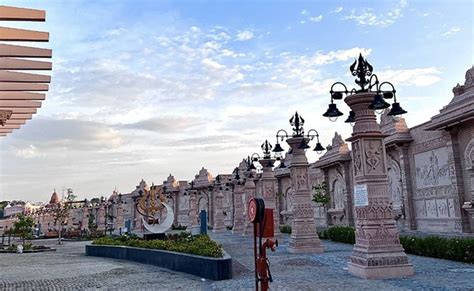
<point>68,268</point>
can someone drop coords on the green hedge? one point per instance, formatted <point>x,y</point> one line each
<point>285,228</point>
<point>200,245</point>
<point>436,247</point>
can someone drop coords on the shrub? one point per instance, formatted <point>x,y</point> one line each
<point>285,228</point>
<point>343,234</point>
<point>438,247</point>
<point>178,227</point>
<point>200,245</point>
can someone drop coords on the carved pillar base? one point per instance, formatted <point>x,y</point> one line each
<point>218,225</point>
<point>238,226</point>
<point>193,213</point>
<point>377,252</point>
<point>249,190</point>
<point>304,238</point>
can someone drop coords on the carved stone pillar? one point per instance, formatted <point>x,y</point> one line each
<point>101,219</point>
<point>239,221</point>
<point>350,204</point>
<point>249,191</point>
<point>269,191</point>
<point>193,212</point>
<point>457,156</point>
<point>218,225</point>
<point>407,187</point>
<point>304,238</point>
<point>119,221</point>
<point>377,252</point>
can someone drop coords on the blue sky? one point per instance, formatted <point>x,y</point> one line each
<point>142,89</point>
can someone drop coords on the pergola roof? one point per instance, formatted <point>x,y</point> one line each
<point>19,99</point>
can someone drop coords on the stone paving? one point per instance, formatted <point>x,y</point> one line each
<point>68,269</point>
<point>328,271</point>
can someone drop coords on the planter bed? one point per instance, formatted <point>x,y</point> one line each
<point>28,251</point>
<point>206,267</point>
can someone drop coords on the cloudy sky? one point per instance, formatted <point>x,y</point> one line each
<point>142,89</point>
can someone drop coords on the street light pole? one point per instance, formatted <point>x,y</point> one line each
<point>377,252</point>
<point>304,238</point>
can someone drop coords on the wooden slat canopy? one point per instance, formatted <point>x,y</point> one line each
<point>19,97</point>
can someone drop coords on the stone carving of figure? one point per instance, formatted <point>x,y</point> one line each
<point>301,181</point>
<point>469,77</point>
<point>373,153</point>
<point>433,174</point>
<point>395,186</point>
<point>338,194</point>
<point>357,158</point>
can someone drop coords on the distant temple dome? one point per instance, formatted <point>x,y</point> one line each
<point>54,198</point>
<point>114,194</point>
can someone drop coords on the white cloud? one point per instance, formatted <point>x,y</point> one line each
<point>28,152</point>
<point>338,9</point>
<point>316,18</point>
<point>212,65</point>
<point>304,12</point>
<point>368,17</point>
<point>452,30</point>
<point>244,35</point>
<point>419,77</point>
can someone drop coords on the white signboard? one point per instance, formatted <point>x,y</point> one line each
<point>360,195</point>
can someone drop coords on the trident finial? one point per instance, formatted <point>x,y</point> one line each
<point>363,70</point>
<point>266,147</point>
<point>297,122</point>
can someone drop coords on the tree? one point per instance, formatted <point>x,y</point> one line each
<point>91,223</point>
<point>61,212</point>
<point>23,227</point>
<point>320,194</point>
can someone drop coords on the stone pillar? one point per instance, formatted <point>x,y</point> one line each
<point>377,252</point>
<point>218,225</point>
<point>268,191</point>
<point>119,221</point>
<point>249,191</point>
<point>457,156</point>
<point>304,238</point>
<point>193,212</point>
<point>101,219</point>
<point>239,221</point>
<point>407,186</point>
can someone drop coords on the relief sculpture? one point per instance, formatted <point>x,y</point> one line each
<point>373,153</point>
<point>432,168</point>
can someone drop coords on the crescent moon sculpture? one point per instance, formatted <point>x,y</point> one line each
<point>165,225</point>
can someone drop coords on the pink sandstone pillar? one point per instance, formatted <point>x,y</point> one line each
<point>119,221</point>
<point>218,225</point>
<point>101,218</point>
<point>377,252</point>
<point>239,221</point>
<point>303,238</point>
<point>269,185</point>
<point>249,191</point>
<point>193,212</point>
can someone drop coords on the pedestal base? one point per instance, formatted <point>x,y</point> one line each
<point>380,272</point>
<point>195,230</point>
<point>302,245</point>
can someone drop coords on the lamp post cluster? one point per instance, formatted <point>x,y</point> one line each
<point>369,83</point>
<point>377,252</point>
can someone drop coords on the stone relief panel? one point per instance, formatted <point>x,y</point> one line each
<point>373,156</point>
<point>301,179</point>
<point>432,168</point>
<point>431,209</point>
<point>290,196</point>
<point>356,158</point>
<point>395,183</point>
<point>442,205</point>
<point>338,194</point>
<point>420,208</point>
<point>183,202</point>
<point>451,210</point>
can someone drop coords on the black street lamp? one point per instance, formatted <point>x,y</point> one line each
<point>368,82</point>
<point>297,123</point>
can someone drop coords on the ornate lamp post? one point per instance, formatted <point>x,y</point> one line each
<point>239,219</point>
<point>377,252</point>
<point>269,181</point>
<point>219,225</point>
<point>304,238</point>
<point>249,192</point>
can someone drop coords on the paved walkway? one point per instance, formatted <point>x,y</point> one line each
<point>328,271</point>
<point>68,268</point>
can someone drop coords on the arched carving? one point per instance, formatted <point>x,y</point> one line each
<point>338,193</point>
<point>469,155</point>
<point>395,183</point>
<point>289,194</point>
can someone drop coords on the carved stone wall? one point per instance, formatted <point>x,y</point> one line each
<point>435,193</point>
